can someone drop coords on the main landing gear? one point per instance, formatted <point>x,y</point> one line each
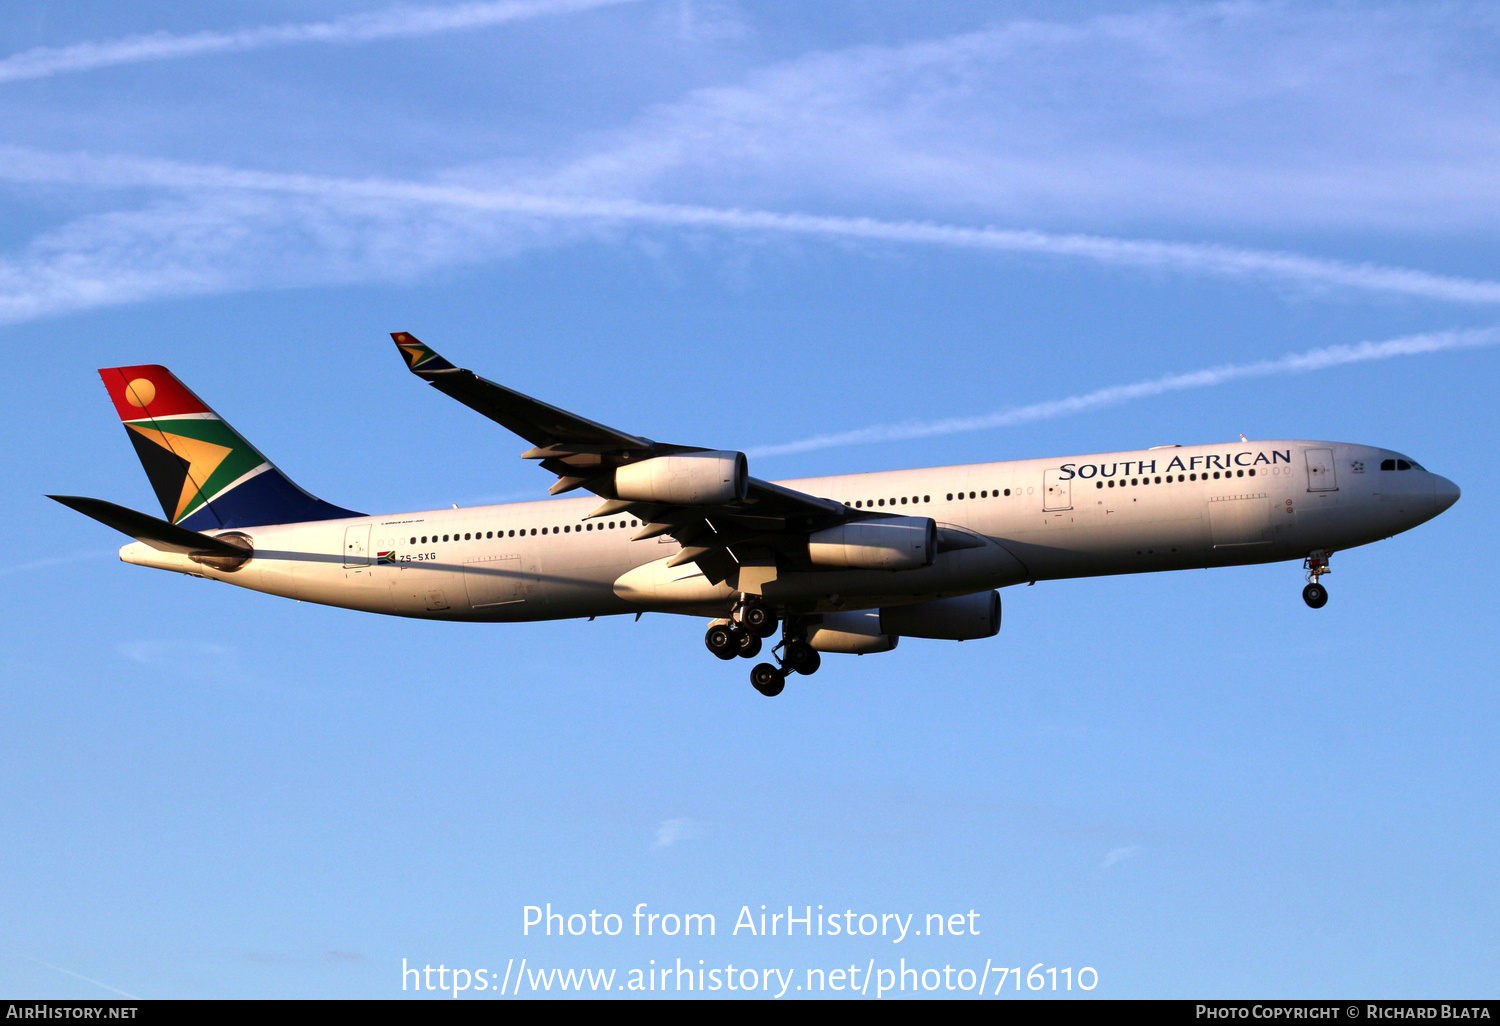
<point>742,636</point>
<point>797,656</point>
<point>1316,565</point>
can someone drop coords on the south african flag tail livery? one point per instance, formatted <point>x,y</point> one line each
<point>205,475</point>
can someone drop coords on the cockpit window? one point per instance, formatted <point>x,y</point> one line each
<point>1403,465</point>
<point>1387,464</point>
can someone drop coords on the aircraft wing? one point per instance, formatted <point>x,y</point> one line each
<point>537,422</point>
<point>767,519</point>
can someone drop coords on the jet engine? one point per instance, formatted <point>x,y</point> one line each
<point>851,633</point>
<point>891,543</point>
<point>963,618</point>
<point>686,479</point>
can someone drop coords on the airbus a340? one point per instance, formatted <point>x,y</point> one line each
<point>835,564</point>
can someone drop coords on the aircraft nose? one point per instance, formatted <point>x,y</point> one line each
<point>1445,492</point>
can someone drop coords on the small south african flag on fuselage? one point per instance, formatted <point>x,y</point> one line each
<point>385,557</point>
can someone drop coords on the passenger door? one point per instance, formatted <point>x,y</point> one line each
<point>1057,491</point>
<point>1320,472</point>
<point>357,546</point>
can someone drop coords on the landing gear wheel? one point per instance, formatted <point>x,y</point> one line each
<point>749,645</point>
<point>802,657</point>
<point>723,641</point>
<point>758,620</point>
<point>1316,565</point>
<point>767,679</point>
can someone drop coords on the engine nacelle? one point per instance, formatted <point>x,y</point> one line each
<point>892,543</point>
<point>851,633</point>
<point>687,479</point>
<point>963,618</point>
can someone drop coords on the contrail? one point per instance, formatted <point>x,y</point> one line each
<point>82,977</point>
<point>17,164</point>
<point>39,564</point>
<point>1295,363</point>
<point>397,23</point>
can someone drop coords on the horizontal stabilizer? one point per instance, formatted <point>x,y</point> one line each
<point>144,528</point>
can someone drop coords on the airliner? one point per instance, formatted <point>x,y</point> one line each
<point>845,564</point>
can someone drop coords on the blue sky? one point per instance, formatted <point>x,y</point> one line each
<point>750,225</point>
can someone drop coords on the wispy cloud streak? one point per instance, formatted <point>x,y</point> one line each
<point>673,830</point>
<point>1118,855</point>
<point>397,23</point>
<point>85,979</point>
<point>1186,257</point>
<point>42,564</point>
<point>1295,363</point>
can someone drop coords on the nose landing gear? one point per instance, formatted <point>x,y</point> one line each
<point>1316,565</point>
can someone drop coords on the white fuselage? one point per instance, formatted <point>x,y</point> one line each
<point>1168,508</point>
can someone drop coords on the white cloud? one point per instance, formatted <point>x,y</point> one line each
<point>673,830</point>
<point>1241,114</point>
<point>235,229</point>
<point>1119,855</point>
<point>1293,363</point>
<point>207,243</point>
<point>394,23</point>
<point>1251,115</point>
<point>180,655</point>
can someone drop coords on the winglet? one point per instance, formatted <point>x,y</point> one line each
<point>419,358</point>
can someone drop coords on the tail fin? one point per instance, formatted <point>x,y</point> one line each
<point>205,475</point>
